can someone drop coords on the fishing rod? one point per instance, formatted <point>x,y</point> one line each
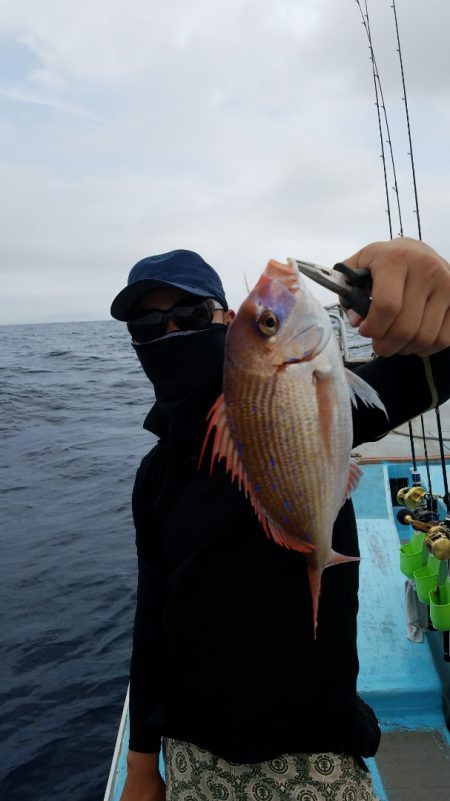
<point>443,532</point>
<point>379,95</point>
<point>376,83</point>
<point>408,124</point>
<point>419,232</point>
<point>378,89</point>
<point>422,508</point>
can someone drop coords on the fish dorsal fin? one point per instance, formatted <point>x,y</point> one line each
<point>223,447</point>
<point>359,388</point>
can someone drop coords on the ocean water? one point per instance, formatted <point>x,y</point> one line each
<point>72,402</point>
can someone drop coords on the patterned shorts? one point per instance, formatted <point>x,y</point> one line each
<point>193,774</point>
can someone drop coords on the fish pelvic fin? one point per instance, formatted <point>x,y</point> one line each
<point>223,447</point>
<point>359,388</point>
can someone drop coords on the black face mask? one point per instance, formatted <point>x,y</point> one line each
<point>185,368</point>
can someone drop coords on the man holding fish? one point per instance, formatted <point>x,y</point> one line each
<point>244,652</point>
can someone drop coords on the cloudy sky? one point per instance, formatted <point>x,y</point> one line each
<point>244,129</point>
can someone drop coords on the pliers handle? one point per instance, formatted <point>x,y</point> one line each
<point>359,282</point>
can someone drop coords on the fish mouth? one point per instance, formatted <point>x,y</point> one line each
<point>286,274</point>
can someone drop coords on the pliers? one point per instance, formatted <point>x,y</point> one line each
<point>354,287</point>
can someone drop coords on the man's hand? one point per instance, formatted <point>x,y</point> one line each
<point>144,782</point>
<point>410,309</point>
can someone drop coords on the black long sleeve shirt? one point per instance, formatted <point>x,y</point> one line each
<point>223,654</point>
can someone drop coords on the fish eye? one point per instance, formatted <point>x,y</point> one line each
<point>268,323</point>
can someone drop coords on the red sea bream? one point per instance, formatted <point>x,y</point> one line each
<point>284,420</point>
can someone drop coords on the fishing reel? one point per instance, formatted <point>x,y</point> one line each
<point>412,497</point>
<point>420,507</point>
<point>437,532</point>
<point>437,540</point>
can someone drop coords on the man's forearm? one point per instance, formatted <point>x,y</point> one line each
<point>408,387</point>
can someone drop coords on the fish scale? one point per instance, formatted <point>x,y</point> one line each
<point>295,449</point>
<point>284,421</point>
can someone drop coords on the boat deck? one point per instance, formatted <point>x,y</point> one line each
<point>407,683</point>
<point>413,764</point>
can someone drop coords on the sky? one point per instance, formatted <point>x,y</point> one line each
<point>242,129</point>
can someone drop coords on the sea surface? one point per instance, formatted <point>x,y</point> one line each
<point>72,402</point>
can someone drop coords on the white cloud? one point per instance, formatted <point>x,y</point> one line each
<point>241,129</point>
<point>47,78</point>
<point>39,98</point>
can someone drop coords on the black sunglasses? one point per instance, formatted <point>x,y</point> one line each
<point>188,315</point>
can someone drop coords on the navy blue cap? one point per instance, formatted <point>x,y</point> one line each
<point>183,269</point>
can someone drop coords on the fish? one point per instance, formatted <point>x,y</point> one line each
<point>283,422</point>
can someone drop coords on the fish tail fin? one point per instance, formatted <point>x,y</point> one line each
<point>339,559</point>
<point>315,579</point>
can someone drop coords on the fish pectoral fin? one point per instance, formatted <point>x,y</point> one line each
<point>354,475</point>
<point>359,388</point>
<point>339,559</point>
<point>326,401</point>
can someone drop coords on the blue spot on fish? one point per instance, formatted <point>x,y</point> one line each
<point>286,504</point>
<point>257,487</point>
<point>272,461</point>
